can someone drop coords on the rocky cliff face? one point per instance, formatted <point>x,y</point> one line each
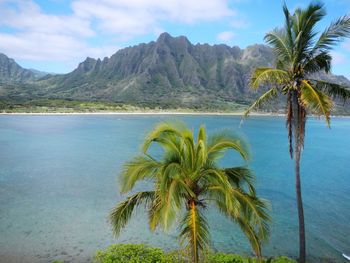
<point>169,71</point>
<point>10,71</point>
<point>170,68</point>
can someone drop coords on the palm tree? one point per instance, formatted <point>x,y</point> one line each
<point>301,53</point>
<point>186,179</point>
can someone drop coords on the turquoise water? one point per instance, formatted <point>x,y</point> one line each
<point>58,183</point>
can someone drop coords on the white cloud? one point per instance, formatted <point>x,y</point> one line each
<point>140,16</point>
<point>41,47</point>
<point>39,36</point>
<point>225,36</point>
<point>27,16</point>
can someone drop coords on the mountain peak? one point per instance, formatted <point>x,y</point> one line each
<point>164,37</point>
<point>10,71</point>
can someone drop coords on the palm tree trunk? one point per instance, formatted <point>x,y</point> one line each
<point>193,209</point>
<point>302,243</point>
<point>299,120</point>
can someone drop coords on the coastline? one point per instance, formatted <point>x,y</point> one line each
<point>253,114</point>
<point>144,113</point>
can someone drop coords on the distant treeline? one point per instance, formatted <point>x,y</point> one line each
<point>60,105</point>
<point>69,106</point>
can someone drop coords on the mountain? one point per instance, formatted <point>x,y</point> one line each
<point>169,71</point>
<point>10,71</point>
<point>38,74</point>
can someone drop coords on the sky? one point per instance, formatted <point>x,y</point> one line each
<point>56,35</point>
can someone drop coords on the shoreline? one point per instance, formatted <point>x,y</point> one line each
<point>253,114</point>
<point>143,113</point>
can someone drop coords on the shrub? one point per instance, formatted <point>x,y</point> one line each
<point>131,253</point>
<point>283,260</point>
<point>140,253</point>
<point>225,258</point>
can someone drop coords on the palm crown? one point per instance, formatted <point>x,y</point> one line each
<point>300,53</point>
<point>186,180</point>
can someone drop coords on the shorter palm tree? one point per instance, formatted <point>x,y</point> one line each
<point>187,178</point>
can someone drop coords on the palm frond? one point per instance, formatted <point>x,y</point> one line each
<point>288,29</point>
<point>201,154</point>
<point>262,76</point>
<point>239,176</point>
<point>315,100</point>
<point>256,210</point>
<point>333,89</point>
<point>120,215</point>
<point>225,140</point>
<point>251,235</point>
<point>189,148</point>
<point>169,142</point>
<point>279,40</point>
<point>139,168</point>
<point>202,134</point>
<point>320,62</point>
<point>161,130</point>
<point>201,151</point>
<point>155,212</point>
<point>256,235</point>
<point>304,21</point>
<point>171,198</point>
<point>267,96</point>
<point>333,34</point>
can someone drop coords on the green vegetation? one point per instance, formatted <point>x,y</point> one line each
<point>132,253</point>
<point>70,106</point>
<point>187,178</point>
<point>65,106</point>
<point>301,53</point>
<point>182,76</point>
<point>139,253</point>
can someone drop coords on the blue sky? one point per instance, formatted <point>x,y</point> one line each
<point>55,35</point>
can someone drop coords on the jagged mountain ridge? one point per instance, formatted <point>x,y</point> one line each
<point>10,71</point>
<point>170,68</point>
<point>169,71</point>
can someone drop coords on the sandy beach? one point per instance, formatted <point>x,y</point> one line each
<point>144,113</point>
<point>253,114</point>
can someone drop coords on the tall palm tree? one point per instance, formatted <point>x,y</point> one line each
<point>186,179</point>
<point>301,52</point>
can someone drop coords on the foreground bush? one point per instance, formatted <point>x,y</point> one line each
<point>233,258</point>
<point>132,253</point>
<point>139,253</point>
<point>225,258</point>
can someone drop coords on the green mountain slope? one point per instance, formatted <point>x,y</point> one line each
<point>10,71</point>
<point>169,72</point>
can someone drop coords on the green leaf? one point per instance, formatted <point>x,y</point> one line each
<point>316,100</point>
<point>268,75</point>
<point>267,96</point>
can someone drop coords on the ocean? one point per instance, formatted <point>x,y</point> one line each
<point>58,182</point>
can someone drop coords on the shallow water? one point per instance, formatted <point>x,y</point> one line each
<point>58,181</point>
